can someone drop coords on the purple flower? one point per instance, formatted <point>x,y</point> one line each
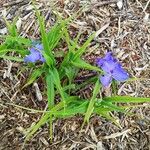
<point>112,70</point>
<point>35,54</point>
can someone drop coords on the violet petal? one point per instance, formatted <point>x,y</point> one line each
<point>120,74</point>
<point>106,80</point>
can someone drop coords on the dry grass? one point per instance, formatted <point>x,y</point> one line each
<point>125,31</point>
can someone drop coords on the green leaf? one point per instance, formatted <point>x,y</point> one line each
<point>106,114</point>
<point>70,72</point>
<point>75,43</point>
<point>127,99</point>
<point>92,101</point>
<point>48,59</point>
<point>35,74</point>
<point>47,117</point>
<point>34,128</point>
<point>66,63</point>
<point>47,49</point>
<point>19,39</point>
<point>22,52</point>
<point>28,109</point>
<point>135,79</point>
<point>2,47</point>
<point>67,38</point>
<point>18,59</point>
<point>56,81</point>
<point>82,64</point>
<point>72,45</point>
<point>51,127</point>
<point>86,82</point>
<point>60,105</point>
<point>12,26</point>
<point>110,105</point>
<point>50,90</point>
<point>73,110</point>
<point>83,48</point>
<point>68,87</point>
<point>56,33</point>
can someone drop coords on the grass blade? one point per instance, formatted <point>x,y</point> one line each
<point>106,114</point>
<point>45,42</point>
<point>34,128</point>
<point>110,105</point>
<point>12,27</point>
<point>82,64</point>
<point>35,74</point>
<point>71,111</point>
<point>50,90</point>
<point>91,103</point>
<point>83,48</point>
<point>127,99</point>
<point>18,59</point>
<point>56,81</point>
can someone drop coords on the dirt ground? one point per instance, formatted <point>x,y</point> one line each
<point>122,26</point>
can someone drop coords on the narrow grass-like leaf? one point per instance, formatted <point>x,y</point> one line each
<point>56,33</point>
<point>48,59</point>
<point>2,47</point>
<point>136,79</point>
<point>83,48</point>
<point>18,59</point>
<point>70,72</point>
<point>114,88</point>
<point>45,118</point>
<point>85,83</point>
<point>127,99</point>
<point>50,90</point>
<point>106,114</point>
<point>34,128</point>
<point>69,87</point>
<point>51,127</point>
<point>75,43</point>
<point>110,105</point>
<point>28,109</point>
<point>103,109</point>
<point>91,103</point>
<point>56,81</point>
<point>45,42</point>
<point>35,74</point>
<point>12,27</point>
<point>22,52</point>
<point>43,31</point>
<point>71,111</point>
<point>19,39</point>
<point>82,64</point>
<point>72,44</point>
<point>67,38</point>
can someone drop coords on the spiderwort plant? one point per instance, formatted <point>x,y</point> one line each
<point>55,73</point>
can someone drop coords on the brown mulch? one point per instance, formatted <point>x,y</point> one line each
<point>122,27</point>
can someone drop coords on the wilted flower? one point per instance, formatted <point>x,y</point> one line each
<point>35,54</point>
<point>112,70</point>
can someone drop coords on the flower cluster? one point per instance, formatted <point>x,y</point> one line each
<point>35,54</point>
<point>111,67</point>
<point>112,70</point>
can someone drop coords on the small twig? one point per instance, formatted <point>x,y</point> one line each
<point>114,135</point>
<point>104,3</point>
<point>38,92</point>
<point>15,3</point>
<point>146,6</point>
